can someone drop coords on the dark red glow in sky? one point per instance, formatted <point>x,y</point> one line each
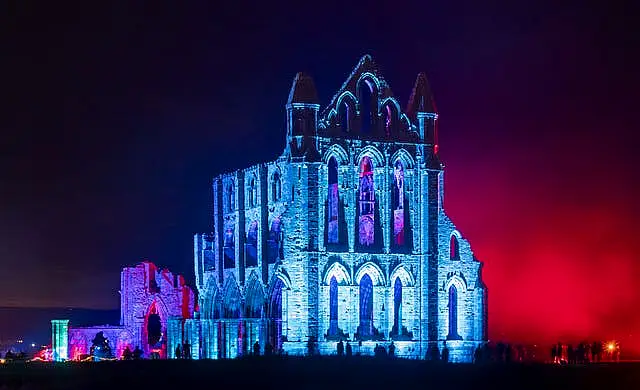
<point>118,118</point>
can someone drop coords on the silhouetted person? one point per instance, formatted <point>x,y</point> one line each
<point>507,353</point>
<point>477,355</point>
<point>554,354</point>
<point>178,352</point>
<point>571,357</point>
<point>127,354</point>
<point>445,352</point>
<point>340,348</point>
<point>186,350</point>
<point>392,350</point>
<point>137,353</point>
<point>559,352</point>
<point>256,349</point>
<point>349,351</point>
<point>434,353</point>
<point>268,349</point>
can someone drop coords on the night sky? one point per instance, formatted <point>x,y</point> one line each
<point>115,119</point>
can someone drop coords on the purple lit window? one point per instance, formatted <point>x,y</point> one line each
<point>366,203</point>
<point>333,306</point>
<point>275,247</point>
<point>252,245</point>
<point>333,202</point>
<point>388,120</point>
<point>397,305</point>
<point>366,306</point>
<point>229,248</point>
<point>454,250</point>
<point>398,204</point>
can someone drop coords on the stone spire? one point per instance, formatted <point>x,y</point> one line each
<point>303,90</point>
<point>421,99</point>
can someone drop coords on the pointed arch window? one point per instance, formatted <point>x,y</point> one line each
<point>453,314</point>
<point>229,198</point>
<point>366,203</point>
<point>252,193</point>
<point>366,307</point>
<point>333,307</point>
<point>252,245</point>
<point>397,307</point>
<point>346,111</point>
<point>454,248</point>
<point>398,204</point>
<point>276,187</point>
<point>229,247</point>
<point>367,104</point>
<point>333,202</point>
<point>275,245</point>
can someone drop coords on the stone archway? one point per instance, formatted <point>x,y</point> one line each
<point>154,331</point>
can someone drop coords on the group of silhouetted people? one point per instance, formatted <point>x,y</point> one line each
<point>127,354</point>
<point>184,351</point>
<point>584,353</point>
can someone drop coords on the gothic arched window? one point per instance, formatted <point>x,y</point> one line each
<point>346,111</point>
<point>276,187</point>
<point>333,202</point>
<point>397,307</point>
<point>252,193</point>
<point>368,107</point>
<point>398,204</point>
<point>252,245</point>
<point>454,249</point>
<point>453,314</point>
<point>229,198</point>
<point>366,203</point>
<point>333,306</point>
<point>366,307</point>
<point>229,247</point>
<point>275,247</point>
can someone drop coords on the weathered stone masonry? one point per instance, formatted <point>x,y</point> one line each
<point>344,236</point>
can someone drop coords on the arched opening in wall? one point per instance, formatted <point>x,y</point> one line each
<point>398,204</point>
<point>333,202</point>
<point>252,245</point>
<point>333,307</point>
<point>366,203</point>
<point>391,119</point>
<point>274,329</point>
<point>276,187</point>
<point>275,242</point>
<point>454,248</point>
<point>397,307</point>
<point>251,193</point>
<point>154,331</point>
<point>365,329</point>
<point>346,112</point>
<point>229,198</point>
<point>368,104</point>
<point>453,314</point>
<point>229,247</point>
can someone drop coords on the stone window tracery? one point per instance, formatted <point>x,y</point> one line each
<point>333,202</point>
<point>398,204</point>
<point>366,203</point>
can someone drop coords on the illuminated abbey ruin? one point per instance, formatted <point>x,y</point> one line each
<point>343,237</point>
<point>154,304</point>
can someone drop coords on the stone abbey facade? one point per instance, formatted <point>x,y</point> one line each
<point>343,237</point>
<point>154,306</point>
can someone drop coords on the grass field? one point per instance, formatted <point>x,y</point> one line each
<point>330,373</point>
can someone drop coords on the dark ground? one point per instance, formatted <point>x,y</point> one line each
<point>314,373</point>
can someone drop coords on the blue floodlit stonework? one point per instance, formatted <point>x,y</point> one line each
<point>343,237</point>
